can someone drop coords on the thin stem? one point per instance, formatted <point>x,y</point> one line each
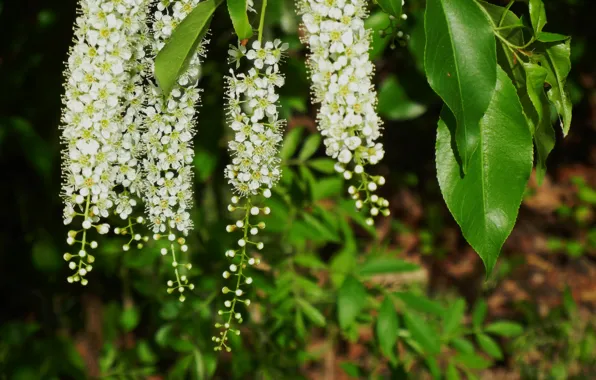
<point>84,239</point>
<point>505,12</point>
<point>262,22</point>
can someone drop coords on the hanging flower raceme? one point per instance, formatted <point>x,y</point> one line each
<point>341,73</point>
<point>98,72</point>
<point>169,130</point>
<point>253,116</point>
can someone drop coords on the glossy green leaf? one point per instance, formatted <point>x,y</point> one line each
<point>489,346</point>
<point>544,134</point>
<point>551,37</point>
<point>454,317</point>
<point>537,15</point>
<point>392,7</point>
<point>350,302</point>
<point>505,328</point>
<point>485,202</point>
<point>557,62</point>
<point>310,146</point>
<point>460,60</point>
<point>173,59</point>
<point>502,17</point>
<point>311,312</point>
<point>383,265</point>
<point>387,328</point>
<point>395,104</point>
<point>239,16</point>
<point>422,333</point>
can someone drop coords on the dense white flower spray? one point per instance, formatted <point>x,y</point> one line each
<point>341,74</point>
<point>170,128</point>
<point>253,115</point>
<point>95,122</point>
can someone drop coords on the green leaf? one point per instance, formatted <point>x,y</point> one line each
<point>452,373</point>
<point>290,143</point>
<point>173,59</point>
<point>383,265</point>
<point>422,333</point>
<point>395,104</point>
<point>557,62</point>
<point>310,146</point>
<point>551,37</point>
<point>501,16</point>
<point>472,361</point>
<point>129,319</point>
<point>489,346</point>
<point>392,7</point>
<point>460,60</point>
<point>420,303</point>
<point>239,16</point>
<point>311,312</point>
<point>462,345</point>
<point>387,328</point>
<point>485,202</point>
<point>351,300</point>
<point>537,15</point>
<point>376,22</point>
<point>323,165</point>
<point>505,328</point>
<point>479,313</point>
<point>544,134</point>
<point>453,317</point>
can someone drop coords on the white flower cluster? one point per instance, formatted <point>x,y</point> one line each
<point>96,158</point>
<point>253,115</point>
<point>341,73</point>
<point>170,127</point>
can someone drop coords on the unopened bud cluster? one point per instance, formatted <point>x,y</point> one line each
<point>180,283</point>
<point>341,74</point>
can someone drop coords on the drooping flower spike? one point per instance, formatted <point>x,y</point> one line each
<point>100,69</point>
<point>169,130</point>
<point>253,116</point>
<point>341,73</point>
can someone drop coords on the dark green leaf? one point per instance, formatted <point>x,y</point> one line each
<point>311,312</point>
<point>505,328</point>
<point>486,200</point>
<point>239,16</point>
<point>500,18</point>
<point>351,369</point>
<point>351,300</point>
<point>129,318</point>
<point>394,103</point>
<point>460,60</point>
<point>387,326</point>
<point>489,346</point>
<point>383,265</point>
<point>544,134</point>
<point>537,15</point>
<point>173,59</point>
<point>557,62</point>
<point>422,333</point>
<point>453,317</point>
<point>291,142</point>
<point>551,37</point>
<point>392,7</point>
<point>310,146</point>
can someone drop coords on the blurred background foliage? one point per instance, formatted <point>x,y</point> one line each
<point>333,298</point>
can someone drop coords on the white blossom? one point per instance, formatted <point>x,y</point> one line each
<point>341,75</point>
<point>169,129</point>
<point>254,117</point>
<point>98,118</point>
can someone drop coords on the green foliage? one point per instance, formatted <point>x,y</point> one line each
<point>239,16</point>
<point>174,57</point>
<point>391,7</point>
